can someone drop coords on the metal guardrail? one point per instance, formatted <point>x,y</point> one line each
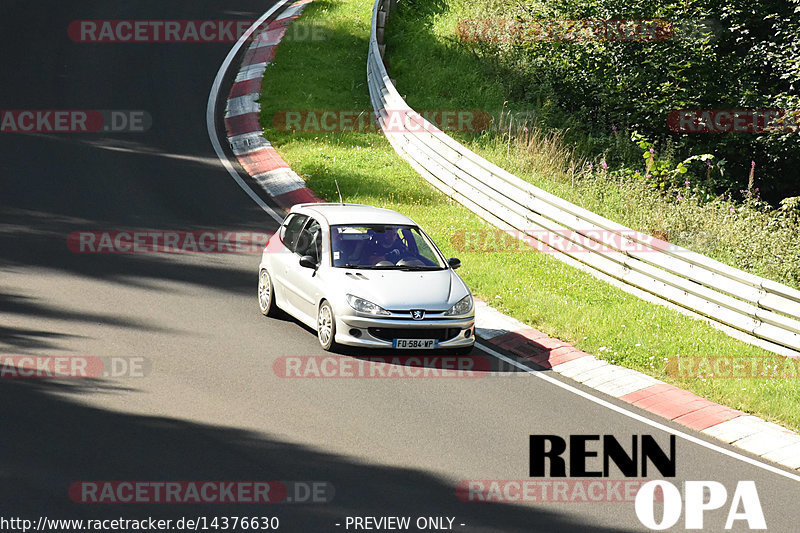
<point>757,309</point>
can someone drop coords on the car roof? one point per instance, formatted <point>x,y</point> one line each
<point>335,214</point>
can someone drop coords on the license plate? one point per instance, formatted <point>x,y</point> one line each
<point>415,344</point>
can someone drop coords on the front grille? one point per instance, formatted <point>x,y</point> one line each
<point>388,334</point>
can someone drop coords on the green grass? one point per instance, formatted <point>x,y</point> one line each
<point>534,288</point>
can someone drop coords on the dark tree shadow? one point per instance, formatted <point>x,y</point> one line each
<point>49,442</point>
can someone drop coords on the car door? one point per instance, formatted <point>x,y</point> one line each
<point>280,261</point>
<point>301,282</point>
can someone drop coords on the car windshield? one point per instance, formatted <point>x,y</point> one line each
<point>383,246</point>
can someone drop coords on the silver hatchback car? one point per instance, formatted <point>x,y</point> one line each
<point>365,276</point>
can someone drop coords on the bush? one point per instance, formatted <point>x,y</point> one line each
<point>725,54</point>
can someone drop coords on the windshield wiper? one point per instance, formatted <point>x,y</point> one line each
<point>420,268</point>
<point>367,267</point>
<point>404,268</point>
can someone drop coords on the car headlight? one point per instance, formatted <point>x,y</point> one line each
<point>365,306</point>
<point>462,307</point>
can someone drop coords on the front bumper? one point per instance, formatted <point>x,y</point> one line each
<point>377,332</point>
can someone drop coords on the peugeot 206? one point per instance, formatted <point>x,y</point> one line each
<point>365,276</point>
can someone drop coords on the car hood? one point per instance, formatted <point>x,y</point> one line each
<point>399,290</point>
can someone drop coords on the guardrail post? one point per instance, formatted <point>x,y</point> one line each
<point>383,14</point>
<point>380,29</point>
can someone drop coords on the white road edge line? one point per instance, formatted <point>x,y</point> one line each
<point>211,110</point>
<point>640,418</point>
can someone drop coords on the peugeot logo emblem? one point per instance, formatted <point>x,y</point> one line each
<point>417,314</point>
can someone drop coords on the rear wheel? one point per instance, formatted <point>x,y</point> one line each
<point>266,295</point>
<point>326,326</point>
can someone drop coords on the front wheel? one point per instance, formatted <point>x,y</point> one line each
<point>266,295</point>
<point>326,326</point>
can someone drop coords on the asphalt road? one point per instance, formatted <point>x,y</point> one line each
<point>211,406</point>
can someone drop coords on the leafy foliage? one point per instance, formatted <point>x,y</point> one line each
<point>716,54</point>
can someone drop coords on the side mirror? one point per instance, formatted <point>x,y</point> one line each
<point>454,262</point>
<point>308,262</point>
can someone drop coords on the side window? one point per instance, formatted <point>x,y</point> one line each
<point>316,246</point>
<point>310,240</point>
<point>290,230</point>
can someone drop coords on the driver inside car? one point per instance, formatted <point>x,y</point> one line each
<point>386,246</point>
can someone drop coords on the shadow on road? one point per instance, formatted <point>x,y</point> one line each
<point>50,440</point>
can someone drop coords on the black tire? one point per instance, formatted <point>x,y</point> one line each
<point>266,295</point>
<point>326,326</point>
